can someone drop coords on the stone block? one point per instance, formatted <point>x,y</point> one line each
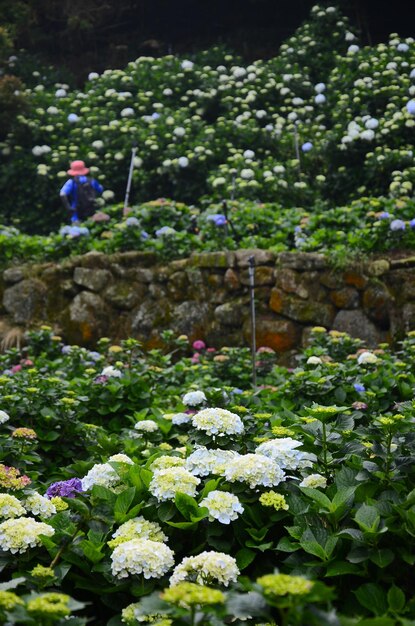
<point>357,324</point>
<point>279,334</point>
<point>305,311</point>
<point>302,260</point>
<point>263,276</point>
<point>13,275</point>
<point>346,298</point>
<point>231,314</point>
<point>26,300</point>
<point>124,295</point>
<point>212,259</point>
<point>92,279</point>
<point>261,257</point>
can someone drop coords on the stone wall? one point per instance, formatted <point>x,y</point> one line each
<point>207,296</point>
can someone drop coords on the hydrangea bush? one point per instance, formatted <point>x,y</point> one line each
<point>325,121</point>
<point>295,507</point>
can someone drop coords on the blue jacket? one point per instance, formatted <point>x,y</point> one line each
<point>70,189</point>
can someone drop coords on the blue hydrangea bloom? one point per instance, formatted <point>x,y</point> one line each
<point>307,146</point>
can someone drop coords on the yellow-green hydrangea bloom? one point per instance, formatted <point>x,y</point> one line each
<point>187,594</point>
<point>282,585</point>
<point>274,499</point>
<point>8,600</point>
<point>54,605</point>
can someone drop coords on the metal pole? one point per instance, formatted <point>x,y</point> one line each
<point>251,270</point>
<point>233,187</point>
<point>130,177</point>
<point>297,147</point>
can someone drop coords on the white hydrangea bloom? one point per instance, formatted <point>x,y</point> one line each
<point>222,506</point>
<point>218,422</point>
<point>181,418</point>
<point>203,462</point>
<point>137,528</point>
<point>39,505</point>
<point>146,426</point>
<point>4,417</point>
<point>366,357</point>
<point>314,481</point>
<point>283,451</point>
<point>194,398</point>
<point>10,506</point>
<point>111,372</point>
<point>205,568</point>
<point>254,469</point>
<point>187,65</point>
<point>165,461</point>
<point>314,360</point>
<point>247,174</point>
<point>17,535</point>
<point>141,556</point>
<point>101,474</point>
<point>121,458</point>
<point>183,161</point>
<point>127,112</point>
<point>167,482</point>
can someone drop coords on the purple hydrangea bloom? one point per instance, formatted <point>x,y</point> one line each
<point>412,223</point>
<point>410,107</point>
<point>359,387</point>
<point>384,215</point>
<point>218,220</point>
<point>65,488</point>
<point>144,235</point>
<point>307,146</point>
<point>101,379</point>
<point>397,225</point>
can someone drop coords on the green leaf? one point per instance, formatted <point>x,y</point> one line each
<point>183,525</point>
<point>381,557</point>
<point>317,496</point>
<point>372,597</point>
<point>244,606</point>
<point>211,485</point>
<point>123,503</point>
<point>244,557</point>
<point>91,551</point>
<point>286,545</point>
<point>396,599</point>
<point>166,511</point>
<point>187,505</point>
<point>75,504</point>
<point>339,568</point>
<point>368,518</point>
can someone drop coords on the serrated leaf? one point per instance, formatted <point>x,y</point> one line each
<point>372,597</point>
<point>396,599</point>
<point>244,557</point>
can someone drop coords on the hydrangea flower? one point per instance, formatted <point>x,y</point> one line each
<point>65,488</point>
<point>203,462</point>
<point>283,451</point>
<point>314,360</point>
<point>39,505</point>
<point>101,474</point>
<point>307,146</point>
<point>165,461</point>
<point>194,398</point>
<point>137,528</point>
<point>218,422</point>
<point>222,506</point>
<point>18,535</point>
<point>255,470</point>
<point>189,594</point>
<point>283,584</point>
<point>73,118</point>
<point>146,426</point>
<point>111,372</point>
<point>396,225</point>
<point>10,506</point>
<point>181,418</point>
<point>217,220</point>
<point>141,556</point>
<point>366,357</point>
<point>314,481</point>
<point>165,230</point>
<point>49,606</point>
<point>276,500</point>
<point>4,417</point>
<point>167,482</point>
<point>209,566</point>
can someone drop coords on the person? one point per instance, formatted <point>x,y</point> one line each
<point>78,193</point>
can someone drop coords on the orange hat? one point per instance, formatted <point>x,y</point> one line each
<point>78,169</point>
